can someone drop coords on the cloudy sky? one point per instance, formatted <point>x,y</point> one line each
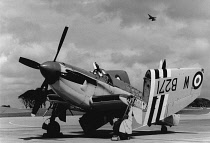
<point>115,33</point>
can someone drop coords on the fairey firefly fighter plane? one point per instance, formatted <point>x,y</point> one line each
<point>152,18</point>
<point>106,96</point>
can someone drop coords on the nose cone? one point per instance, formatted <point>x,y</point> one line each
<point>51,71</point>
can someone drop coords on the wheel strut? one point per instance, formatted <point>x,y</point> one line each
<point>52,127</point>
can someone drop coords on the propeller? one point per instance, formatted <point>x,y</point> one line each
<point>43,91</point>
<point>61,42</point>
<point>29,63</point>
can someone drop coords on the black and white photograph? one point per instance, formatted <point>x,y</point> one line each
<point>105,70</point>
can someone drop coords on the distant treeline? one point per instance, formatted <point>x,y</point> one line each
<point>8,106</point>
<point>200,102</point>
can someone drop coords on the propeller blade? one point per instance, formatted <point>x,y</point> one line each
<point>29,63</point>
<point>61,42</point>
<point>44,86</point>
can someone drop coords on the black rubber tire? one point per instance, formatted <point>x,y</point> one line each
<point>53,128</point>
<point>164,129</point>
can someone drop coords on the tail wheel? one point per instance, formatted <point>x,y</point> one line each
<point>164,129</point>
<point>53,128</point>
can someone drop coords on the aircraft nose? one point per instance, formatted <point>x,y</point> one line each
<point>51,71</point>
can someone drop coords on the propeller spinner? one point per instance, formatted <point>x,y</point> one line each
<point>50,70</point>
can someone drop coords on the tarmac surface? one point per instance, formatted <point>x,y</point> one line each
<point>192,128</point>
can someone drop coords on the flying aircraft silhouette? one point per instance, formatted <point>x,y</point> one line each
<point>152,18</point>
<point>106,96</point>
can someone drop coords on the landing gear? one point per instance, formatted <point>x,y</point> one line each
<point>51,126</point>
<point>53,129</point>
<point>117,134</point>
<point>120,137</point>
<point>164,129</point>
<point>115,138</point>
<point>123,126</point>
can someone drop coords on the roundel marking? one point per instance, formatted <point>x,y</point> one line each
<point>197,80</point>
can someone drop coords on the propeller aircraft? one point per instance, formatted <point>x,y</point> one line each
<point>106,96</point>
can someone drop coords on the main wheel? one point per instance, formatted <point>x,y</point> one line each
<point>53,128</point>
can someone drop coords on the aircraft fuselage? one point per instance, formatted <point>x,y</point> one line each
<point>84,89</point>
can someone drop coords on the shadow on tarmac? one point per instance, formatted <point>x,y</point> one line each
<point>101,134</point>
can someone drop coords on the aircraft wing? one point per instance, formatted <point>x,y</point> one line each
<point>62,105</point>
<point>56,99</point>
<point>120,103</point>
<point>108,102</point>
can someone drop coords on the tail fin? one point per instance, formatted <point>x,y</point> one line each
<point>162,64</point>
<point>170,91</point>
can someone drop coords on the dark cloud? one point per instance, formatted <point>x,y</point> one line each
<point>151,54</point>
<point>69,8</point>
<point>130,12</point>
<point>25,31</point>
<point>135,11</point>
<point>199,52</point>
<point>65,7</point>
<point>196,29</point>
<point>187,9</point>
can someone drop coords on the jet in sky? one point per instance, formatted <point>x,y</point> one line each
<point>152,18</point>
